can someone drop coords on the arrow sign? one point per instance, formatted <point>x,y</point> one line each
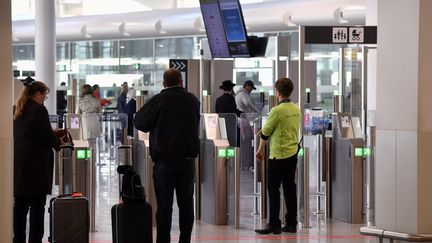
<point>179,64</point>
<point>182,66</point>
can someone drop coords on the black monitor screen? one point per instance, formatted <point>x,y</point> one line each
<point>235,28</point>
<point>214,28</point>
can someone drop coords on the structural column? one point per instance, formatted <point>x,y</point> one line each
<point>6,137</point>
<point>45,48</point>
<point>404,116</point>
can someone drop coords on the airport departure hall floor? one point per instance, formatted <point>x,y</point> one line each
<point>107,195</point>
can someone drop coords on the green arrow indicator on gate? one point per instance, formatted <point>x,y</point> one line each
<point>81,153</point>
<point>367,152</point>
<point>222,153</point>
<point>230,153</point>
<point>88,154</point>
<point>358,152</point>
<point>362,152</point>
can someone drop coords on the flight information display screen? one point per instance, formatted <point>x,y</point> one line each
<point>235,28</point>
<point>215,28</point>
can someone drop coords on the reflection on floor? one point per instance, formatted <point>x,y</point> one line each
<point>321,231</point>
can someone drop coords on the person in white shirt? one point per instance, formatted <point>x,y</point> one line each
<point>245,105</point>
<point>243,100</point>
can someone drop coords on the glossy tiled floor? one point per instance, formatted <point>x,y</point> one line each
<point>321,230</point>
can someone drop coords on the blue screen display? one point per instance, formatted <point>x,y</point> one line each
<point>235,28</point>
<point>233,25</point>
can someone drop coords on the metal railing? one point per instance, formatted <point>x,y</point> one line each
<point>237,189</point>
<point>306,222</point>
<point>392,235</point>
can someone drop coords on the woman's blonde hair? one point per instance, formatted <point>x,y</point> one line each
<point>30,89</point>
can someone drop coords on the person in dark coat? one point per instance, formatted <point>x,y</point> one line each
<point>61,104</point>
<point>121,100</point>
<point>34,140</point>
<point>130,109</point>
<point>226,102</point>
<point>172,118</point>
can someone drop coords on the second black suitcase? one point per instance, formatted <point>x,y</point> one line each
<point>69,219</point>
<point>132,223</point>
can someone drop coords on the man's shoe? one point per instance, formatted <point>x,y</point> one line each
<point>269,229</point>
<point>289,229</point>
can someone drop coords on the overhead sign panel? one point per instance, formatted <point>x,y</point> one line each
<point>340,34</point>
<point>182,66</point>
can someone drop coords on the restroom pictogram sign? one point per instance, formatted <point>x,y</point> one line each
<point>340,34</point>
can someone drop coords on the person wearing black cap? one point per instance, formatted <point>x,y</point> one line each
<point>226,102</point>
<point>61,104</point>
<point>244,104</point>
<point>243,100</point>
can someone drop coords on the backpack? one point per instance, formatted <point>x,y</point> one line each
<point>132,190</point>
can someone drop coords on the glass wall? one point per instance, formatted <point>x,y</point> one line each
<point>109,63</point>
<point>141,63</point>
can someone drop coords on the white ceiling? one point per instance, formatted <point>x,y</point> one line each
<point>24,9</point>
<point>269,16</point>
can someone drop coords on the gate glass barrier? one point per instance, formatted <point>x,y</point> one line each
<point>114,133</point>
<point>252,204</point>
<point>216,172</point>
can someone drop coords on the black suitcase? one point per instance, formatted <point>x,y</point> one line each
<point>132,223</point>
<point>69,219</point>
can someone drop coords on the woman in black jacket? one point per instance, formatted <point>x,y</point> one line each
<point>33,160</point>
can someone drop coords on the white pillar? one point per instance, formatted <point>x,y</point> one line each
<point>404,116</point>
<point>45,48</point>
<point>371,19</point>
<point>6,136</point>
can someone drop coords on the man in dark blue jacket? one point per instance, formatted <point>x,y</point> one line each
<point>172,118</point>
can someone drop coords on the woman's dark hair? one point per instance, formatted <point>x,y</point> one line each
<point>86,89</point>
<point>95,87</point>
<point>284,86</point>
<point>30,89</point>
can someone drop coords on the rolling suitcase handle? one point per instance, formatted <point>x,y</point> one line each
<point>75,194</point>
<point>65,146</point>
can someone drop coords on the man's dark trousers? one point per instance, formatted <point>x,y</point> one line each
<point>282,171</point>
<point>168,175</point>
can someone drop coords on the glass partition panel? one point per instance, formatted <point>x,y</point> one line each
<point>352,92</point>
<point>229,129</point>
<point>114,133</point>
<point>250,176</point>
